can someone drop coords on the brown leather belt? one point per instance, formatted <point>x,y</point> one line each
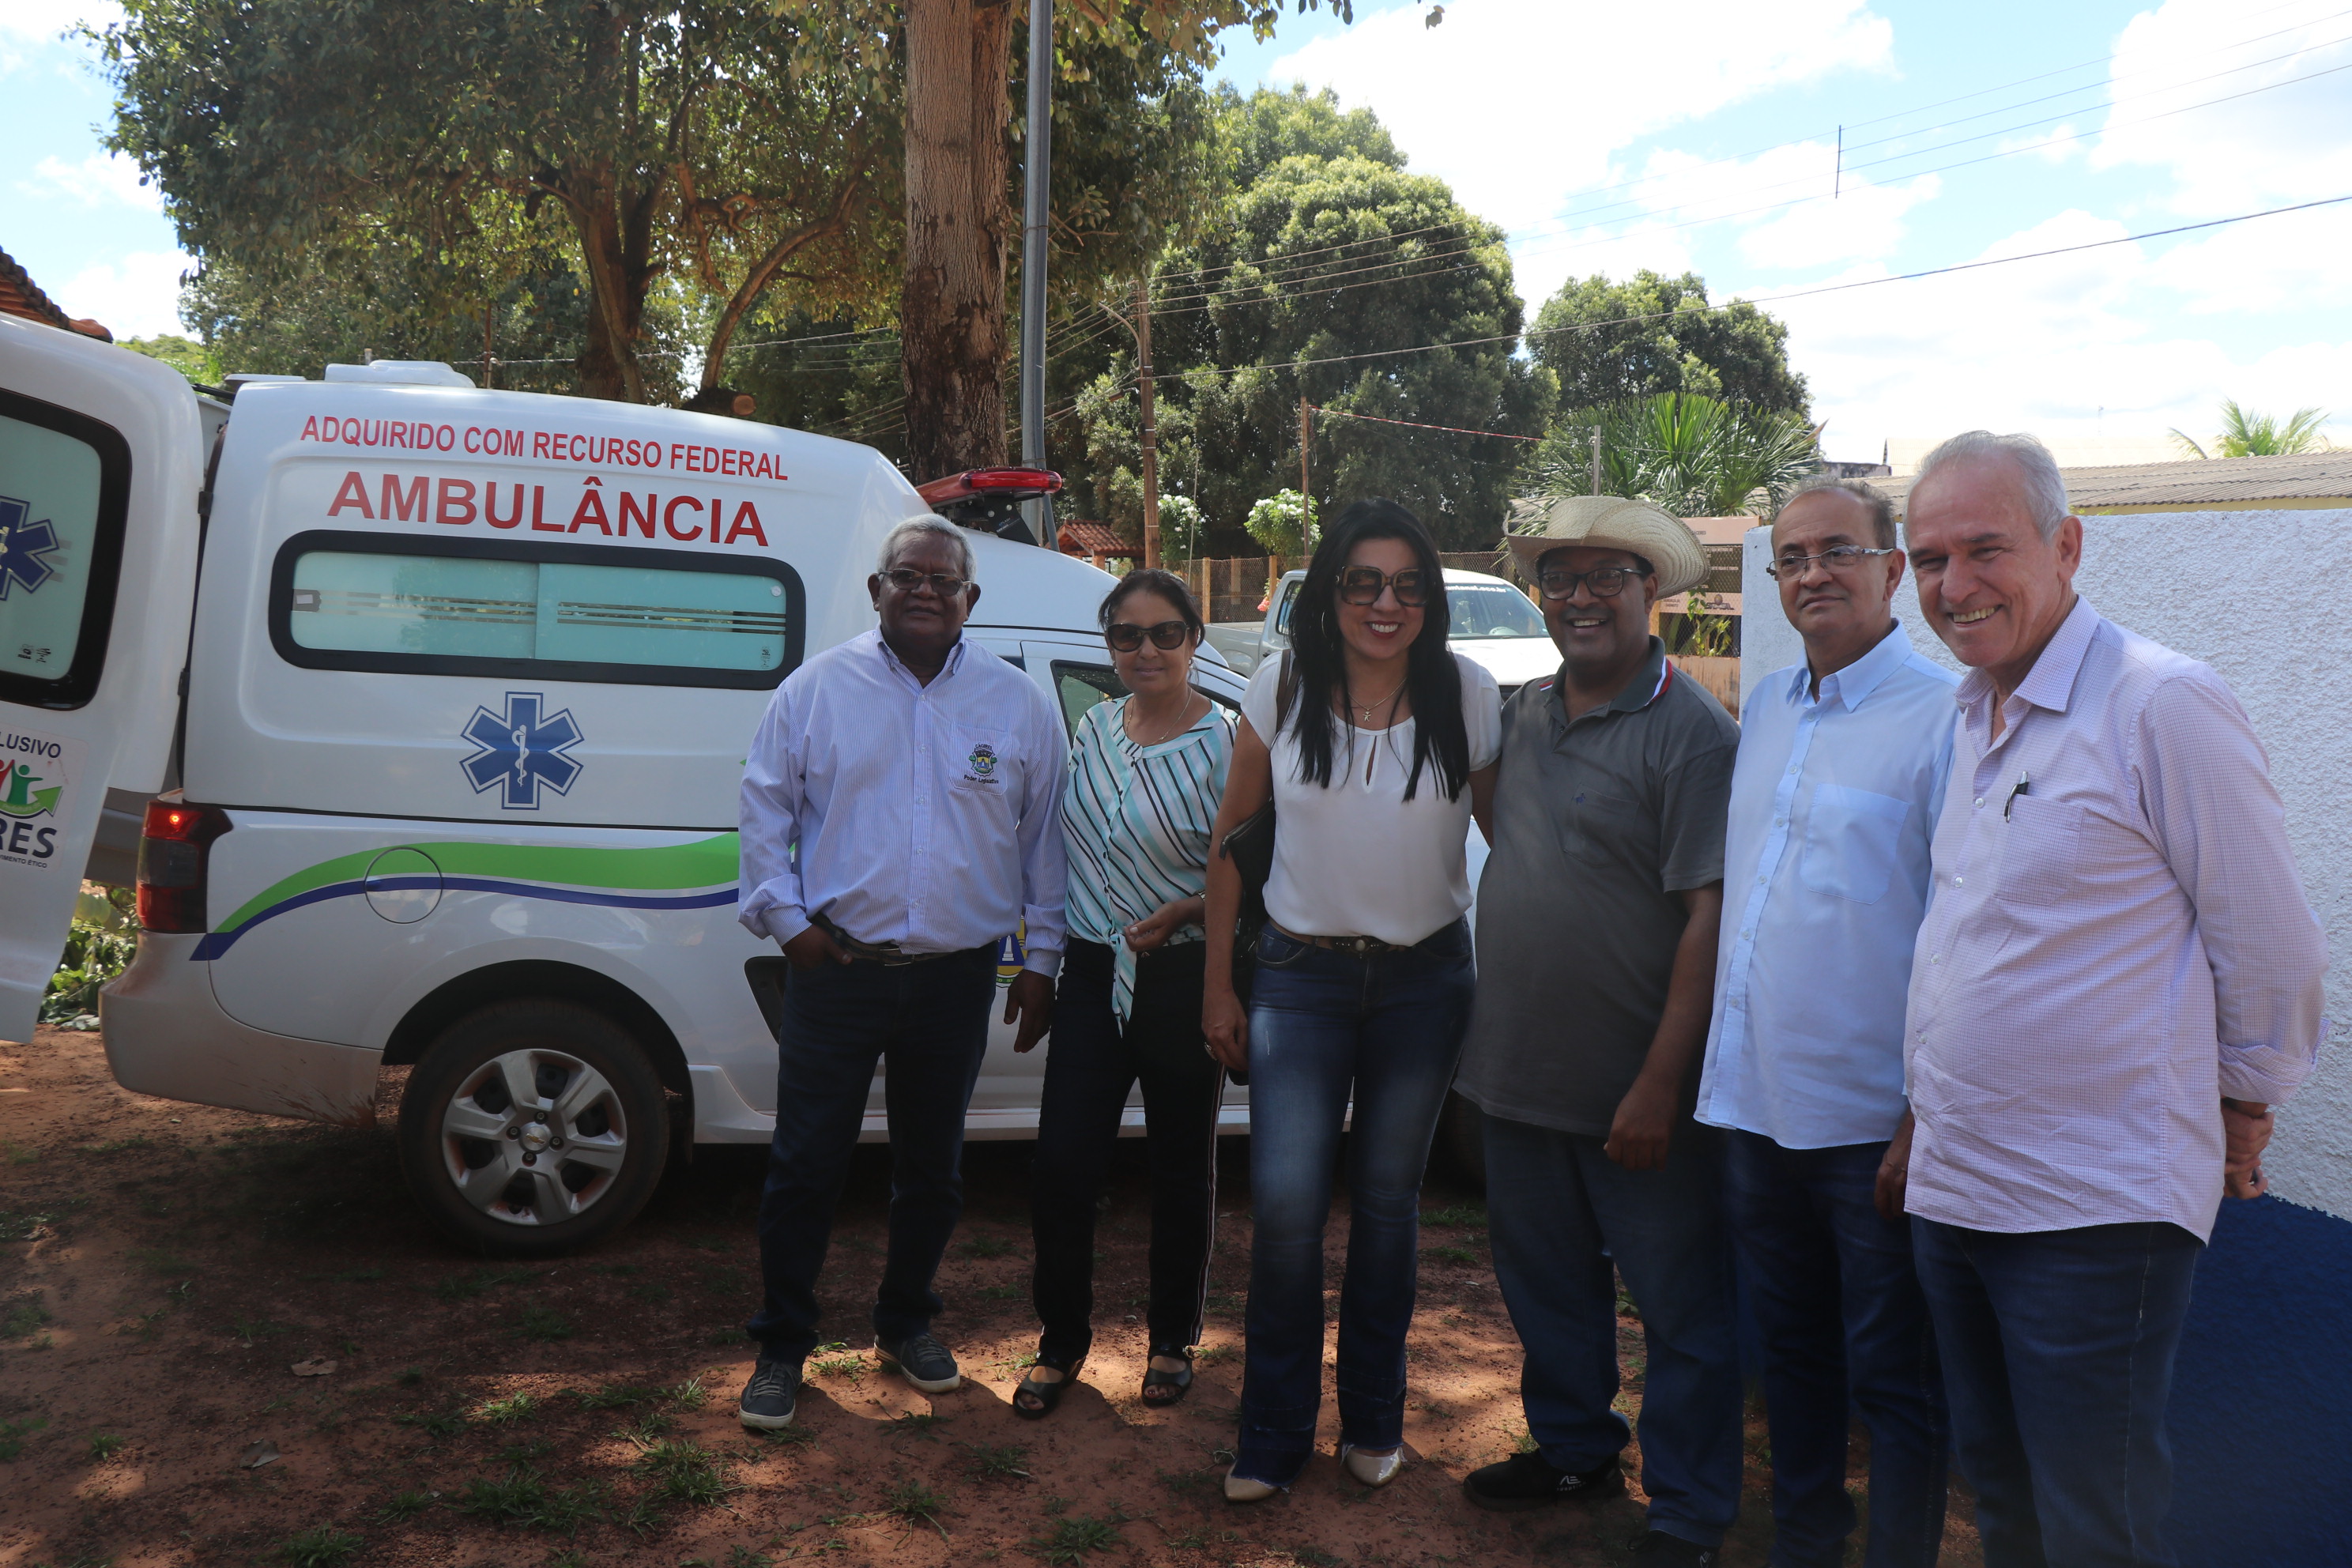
<point>887,953</point>
<point>1359,945</point>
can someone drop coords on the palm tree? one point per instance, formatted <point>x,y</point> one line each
<point>1694,455</point>
<point>2245,434</point>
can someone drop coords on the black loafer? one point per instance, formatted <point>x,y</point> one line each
<point>1674,1551</point>
<point>922,1361</point>
<point>1526,1481</point>
<point>1163,1388</point>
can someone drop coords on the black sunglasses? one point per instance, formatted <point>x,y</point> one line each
<point>1362,585</point>
<point>1125,636</point>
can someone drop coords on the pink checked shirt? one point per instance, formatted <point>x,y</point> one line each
<point>2116,938</point>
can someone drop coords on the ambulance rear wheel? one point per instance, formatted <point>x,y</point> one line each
<point>533,1127</point>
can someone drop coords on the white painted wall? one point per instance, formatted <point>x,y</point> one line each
<point>2252,593</point>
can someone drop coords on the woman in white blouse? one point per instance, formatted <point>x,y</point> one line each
<point>1377,745</point>
<point>1145,774</point>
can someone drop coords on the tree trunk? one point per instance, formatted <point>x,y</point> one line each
<point>616,298</point>
<point>958,216</point>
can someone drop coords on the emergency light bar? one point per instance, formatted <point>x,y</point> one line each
<point>989,499</point>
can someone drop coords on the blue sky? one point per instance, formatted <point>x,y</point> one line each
<point>1609,139</point>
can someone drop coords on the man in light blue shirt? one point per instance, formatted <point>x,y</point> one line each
<point>1841,772</point>
<point>901,816</point>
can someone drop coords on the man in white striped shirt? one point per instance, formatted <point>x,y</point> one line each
<point>2118,976</point>
<point>901,814</point>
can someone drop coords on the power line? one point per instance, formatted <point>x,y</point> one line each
<point>1416,424</point>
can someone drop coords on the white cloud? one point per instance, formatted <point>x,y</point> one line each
<point>2055,145</point>
<point>136,295</point>
<point>2291,140</point>
<point>2294,262</point>
<point>99,179</point>
<point>32,30</point>
<point>1518,103</point>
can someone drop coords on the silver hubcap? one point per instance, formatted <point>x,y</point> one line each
<point>534,1137</point>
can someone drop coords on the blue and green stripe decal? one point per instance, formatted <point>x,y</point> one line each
<point>697,876</point>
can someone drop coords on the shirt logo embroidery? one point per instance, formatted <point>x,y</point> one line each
<point>983,761</point>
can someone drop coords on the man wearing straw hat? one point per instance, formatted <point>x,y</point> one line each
<point>1598,915</point>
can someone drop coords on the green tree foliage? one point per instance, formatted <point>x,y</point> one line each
<point>705,140</point>
<point>1694,455</point>
<point>1610,342</point>
<point>191,359</point>
<point>1179,528</point>
<point>2246,434</point>
<point>1280,523</point>
<point>1322,263</point>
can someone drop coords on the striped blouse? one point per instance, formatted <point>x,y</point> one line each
<point>1135,820</point>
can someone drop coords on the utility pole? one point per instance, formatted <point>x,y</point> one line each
<point>1037,164</point>
<point>1151,435</point>
<point>1596,459</point>
<point>1305,494</point>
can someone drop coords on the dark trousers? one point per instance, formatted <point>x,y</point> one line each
<point>1561,1211</point>
<point>1384,1028</point>
<point>930,1020</point>
<point>1094,1063</point>
<point>1836,1297</point>
<point>2057,1349</point>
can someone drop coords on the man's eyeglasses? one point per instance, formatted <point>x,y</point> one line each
<point>905,579</point>
<point>1362,585</point>
<point>1605,581</point>
<point>1125,636</point>
<point>1837,558</point>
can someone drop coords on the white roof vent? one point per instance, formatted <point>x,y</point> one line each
<point>400,373</point>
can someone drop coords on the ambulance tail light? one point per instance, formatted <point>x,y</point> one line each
<point>174,851</point>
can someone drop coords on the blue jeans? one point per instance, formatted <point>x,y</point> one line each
<point>1387,1024</point>
<point>1836,1299</point>
<point>1561,1211</point>
<point>2058,1348</point>
<point>930,1020</point>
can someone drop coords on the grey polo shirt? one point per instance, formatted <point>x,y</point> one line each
<point>1600,826</point>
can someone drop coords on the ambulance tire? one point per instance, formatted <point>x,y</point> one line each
<point>562,1046</point>
<point>1462,1139</point>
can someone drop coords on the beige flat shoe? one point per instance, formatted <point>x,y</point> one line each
<point>1239,1488</point>
<point>1372,1470</point>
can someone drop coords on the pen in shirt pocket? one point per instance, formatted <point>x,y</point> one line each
<point>2024,786</point>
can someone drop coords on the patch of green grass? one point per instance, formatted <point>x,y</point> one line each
<point>1455,1255</point>
<point>506,1412</point>
<point>322,1546</point>
<point>1456,1214</point>
<point>686,1472</point>
<point>155,1260</point>
<point>1210,1355</point>
<point>1072,1538</point>
<point>403,1506</point>
<point>614,1395</point>
<point>652,1291</point>
<point>916,1503</point>
<point>1001,1292</point>
<point>571,1557</point>
<point>918,1424</point>
<point>25,1314</point>
<point>789,1436</point>
<point>524,1499</point>
<point>409,1376</point>
<point>253,1329</point>
<point>1313,1557</point>
<point>481,1282</point>
<point>19,1155</point>
<point>645,1430</point>
<point>850,1365</point>
<point>544,1325</point>
<point>733,1334</point>
<point>711,1244</point>
<point>524,1452</point>
<point>1000,1461</point>
<point>433,1423</point>
<point>689,1394</point>
<point>13,1434</point>
<point>114,1146</point>
<point>619,1271</point>
<point>744,1557</point>
<point>104,1446</point>
<point>986,1247</point>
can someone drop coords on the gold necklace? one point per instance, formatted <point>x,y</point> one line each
<point>1172,731</point>
<point>1366,707</point>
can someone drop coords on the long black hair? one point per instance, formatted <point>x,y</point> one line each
<point>1318,665</point>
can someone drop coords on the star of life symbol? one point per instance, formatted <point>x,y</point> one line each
<point>522,749</point>
<point>22,546</point>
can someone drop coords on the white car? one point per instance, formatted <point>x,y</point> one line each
<point>430,707</point>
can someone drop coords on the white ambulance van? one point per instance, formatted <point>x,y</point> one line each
<point>425,710</point>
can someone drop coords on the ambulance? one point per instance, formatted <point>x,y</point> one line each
<point>421,710</point>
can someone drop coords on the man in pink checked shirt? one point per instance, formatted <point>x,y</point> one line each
<point>2117,976</point>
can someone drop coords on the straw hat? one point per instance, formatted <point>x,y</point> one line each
<point>1613,522</point>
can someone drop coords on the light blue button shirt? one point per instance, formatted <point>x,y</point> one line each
<point>1825,881</point>
<point>926,815</point>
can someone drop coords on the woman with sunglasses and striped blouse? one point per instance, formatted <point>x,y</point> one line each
<point>1145,775</point>
<point>1377,744</point>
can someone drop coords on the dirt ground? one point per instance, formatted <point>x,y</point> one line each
<point>166,1268</point>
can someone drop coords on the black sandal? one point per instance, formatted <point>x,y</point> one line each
<point>1165,1388</point>
<point>1048,1395</point>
